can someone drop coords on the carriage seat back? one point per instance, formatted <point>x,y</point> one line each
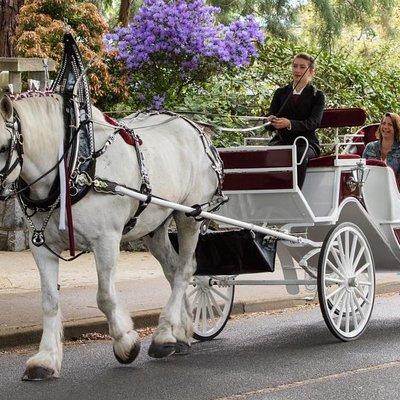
<point>342,118</point>
<point>350,117</point>
<point>260,182</point>
<point>257,168</point>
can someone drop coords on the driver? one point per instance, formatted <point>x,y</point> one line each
<point>296,110</point>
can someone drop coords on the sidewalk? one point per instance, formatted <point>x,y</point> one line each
<point>141,286</point>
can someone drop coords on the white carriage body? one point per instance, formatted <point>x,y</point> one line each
<point>342,226</point>
<point>324,201</point>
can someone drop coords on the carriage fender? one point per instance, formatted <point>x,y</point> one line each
<point>385,258</point>
<point>381,239</point>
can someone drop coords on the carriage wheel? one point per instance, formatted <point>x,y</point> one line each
<point>211,306</point>
<point>346,281</point>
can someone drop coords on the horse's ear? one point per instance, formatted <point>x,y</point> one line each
<point>6,108</point>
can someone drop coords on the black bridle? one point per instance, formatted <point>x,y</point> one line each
<point>15,144</point>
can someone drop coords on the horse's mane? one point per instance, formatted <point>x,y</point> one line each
<point>42,120</point>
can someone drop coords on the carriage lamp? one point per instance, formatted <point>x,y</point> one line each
<point>358,177</point>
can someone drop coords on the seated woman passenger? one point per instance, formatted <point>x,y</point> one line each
<point>387,147</point>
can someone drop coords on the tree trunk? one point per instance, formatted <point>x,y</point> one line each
<point>9,10</point>
<point>124,9</point>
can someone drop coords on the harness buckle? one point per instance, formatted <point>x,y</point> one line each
<point>84,179</point>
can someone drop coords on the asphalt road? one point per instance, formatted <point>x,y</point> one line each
<point>284,356</point>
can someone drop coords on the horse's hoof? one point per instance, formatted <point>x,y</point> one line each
<point>161,350</point>
<point>132,355</point>
<point>38,374</point>
<point>181,348</point>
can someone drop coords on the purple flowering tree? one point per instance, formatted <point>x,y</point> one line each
<point>171,44</point>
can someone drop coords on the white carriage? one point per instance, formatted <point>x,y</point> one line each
<point>341,227</point>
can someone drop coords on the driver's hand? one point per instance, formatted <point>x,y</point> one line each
<point>280,123</point>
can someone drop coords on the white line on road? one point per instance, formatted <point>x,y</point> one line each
<point>320,379</point>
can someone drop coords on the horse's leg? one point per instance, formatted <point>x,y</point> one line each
<point>174,331</point>
<point>161,248</point>
<point>46,363</point>
<point>126,340</point>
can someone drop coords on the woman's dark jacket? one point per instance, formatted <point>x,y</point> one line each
<point>305,115</point>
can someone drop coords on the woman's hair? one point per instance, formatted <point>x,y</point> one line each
<point>308,58</point>
<point>395,118</point>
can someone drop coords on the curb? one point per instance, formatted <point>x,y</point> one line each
<point>145,319</point>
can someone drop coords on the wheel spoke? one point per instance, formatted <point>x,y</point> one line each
<point>204,312</point>
<point>357,304</point>
<point>216,291</point>
<point>196,299</point>
<point>362,283</point>
<point>336,297</point>
<point>347,325</point>
<point>362,269</point>
<point>197,316</point>
<point>341,252</point>
<point>359,255</point>
<point>340,288</point>
<point>192,292</point>
<point>332,311</point>
<point>353,250</point>
<point>347,246</point>
<point>334,280</point>
<point>216,305</point>
<point>335,256</point>
<point>210,310</point>
<point>341,311</point>
<point>361,294</point>
<point>334,268</point>
<point>353,311</point>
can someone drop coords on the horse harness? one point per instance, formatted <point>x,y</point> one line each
<point>82,176</point>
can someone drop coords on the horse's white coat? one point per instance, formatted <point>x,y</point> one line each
<point>179,170</point>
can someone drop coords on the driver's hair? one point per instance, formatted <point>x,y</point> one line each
<point>308,58</point>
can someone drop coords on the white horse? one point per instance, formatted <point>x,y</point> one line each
<point>179,169</point>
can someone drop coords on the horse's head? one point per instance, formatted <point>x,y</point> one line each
<point>10,145</point>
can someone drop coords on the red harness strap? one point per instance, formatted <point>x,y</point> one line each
<point>125,134</point>
<point>68,206</point>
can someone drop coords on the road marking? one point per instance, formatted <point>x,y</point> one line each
<point>321,379</point>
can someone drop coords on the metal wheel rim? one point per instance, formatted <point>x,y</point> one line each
<point>347,282</point>
<point>213,302</point>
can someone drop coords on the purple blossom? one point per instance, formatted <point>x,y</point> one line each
<point>184,34</point>
<point>158,102</point>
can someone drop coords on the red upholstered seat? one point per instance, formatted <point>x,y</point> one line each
<point>377,163</point>
<point>328,161</point>
<point>343,117</point>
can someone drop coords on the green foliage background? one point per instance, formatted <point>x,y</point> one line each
<point>347,81</point>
